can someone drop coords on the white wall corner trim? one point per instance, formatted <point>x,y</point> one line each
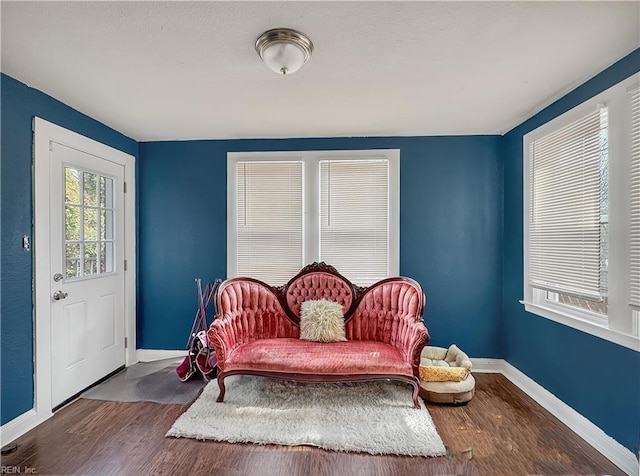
<point>18,426</point>
<point>151,355</point>
<point>592,434</point>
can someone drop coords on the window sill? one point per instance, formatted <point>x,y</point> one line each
<point>590,327</point>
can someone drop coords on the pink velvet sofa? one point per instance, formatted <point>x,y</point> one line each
<point>256,330</point>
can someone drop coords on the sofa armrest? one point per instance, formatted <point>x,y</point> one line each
<point>247,310</point>
<point>223,338</point>
<point>410,337</point>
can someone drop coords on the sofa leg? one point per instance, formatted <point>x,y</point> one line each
<point>222,389</point>
<point>416,389</point>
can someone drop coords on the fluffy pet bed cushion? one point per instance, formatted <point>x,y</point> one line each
<point>448,392</point>
<point>322,321</point>
<point>438,364</point>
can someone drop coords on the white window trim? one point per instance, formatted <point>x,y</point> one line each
<point>311,187</point>
<point>585,325</point>
<point>619,326</point>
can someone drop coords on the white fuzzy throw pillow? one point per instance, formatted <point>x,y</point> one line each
<point>322,321</point>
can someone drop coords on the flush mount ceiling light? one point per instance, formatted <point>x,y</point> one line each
<point>284,50</point>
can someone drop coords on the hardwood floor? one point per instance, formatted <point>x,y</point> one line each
<point>500,432</point>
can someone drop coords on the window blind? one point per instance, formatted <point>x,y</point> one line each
<point>565,208</point>
<point>635,199</point>
<point>270,220</point>
<point>354,218</point>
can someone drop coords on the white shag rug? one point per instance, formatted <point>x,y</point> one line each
<point>373,417</point>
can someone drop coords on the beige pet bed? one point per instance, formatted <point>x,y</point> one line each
<point>445,375</point>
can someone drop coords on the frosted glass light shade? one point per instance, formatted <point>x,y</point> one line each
<point>284,50</point>
<point>283,58</point>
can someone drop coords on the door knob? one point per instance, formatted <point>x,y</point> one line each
<point>59,295</point>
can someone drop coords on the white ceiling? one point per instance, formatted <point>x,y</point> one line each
<point>188,70</point>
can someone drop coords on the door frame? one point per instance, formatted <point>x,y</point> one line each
<point>43,133</point>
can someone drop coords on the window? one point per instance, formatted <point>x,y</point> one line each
<point>634,274</point>
<point>582,250</point>
<point>270,218</point>
<point>354,217</point>
<point>88,224</point>
<point>568,237</point>
<point>288,209</point>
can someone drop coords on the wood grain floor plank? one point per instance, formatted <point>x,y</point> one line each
<point>501,431</point>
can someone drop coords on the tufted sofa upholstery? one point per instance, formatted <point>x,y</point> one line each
<point>256,330</point>
<point>318,285</point>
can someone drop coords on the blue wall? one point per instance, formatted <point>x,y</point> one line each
<point>599,379</point>
<point>450,230</point>
<point>461,237</point>
<point>19,105</point>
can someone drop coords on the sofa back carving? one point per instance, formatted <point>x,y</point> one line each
<point>368,312</point>
<point>317,285</point>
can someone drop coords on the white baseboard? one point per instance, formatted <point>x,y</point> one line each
<point>151,355</point>
<point>591,433</point>
<point>18,426</point>
<point>487,366</point>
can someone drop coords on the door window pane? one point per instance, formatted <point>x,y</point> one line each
<point>90,258</point>
<point>90,189</point>
<point>88,224</point>
<point>106,225</point>
<point>72,258</point>
<point>106,192</point>
<point>72,223</point>
<point>71,185</point>
<point>106,258</point>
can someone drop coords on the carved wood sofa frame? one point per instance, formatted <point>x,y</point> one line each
<point>398,322</point>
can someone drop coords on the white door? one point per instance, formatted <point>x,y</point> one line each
<point>87,275</point>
